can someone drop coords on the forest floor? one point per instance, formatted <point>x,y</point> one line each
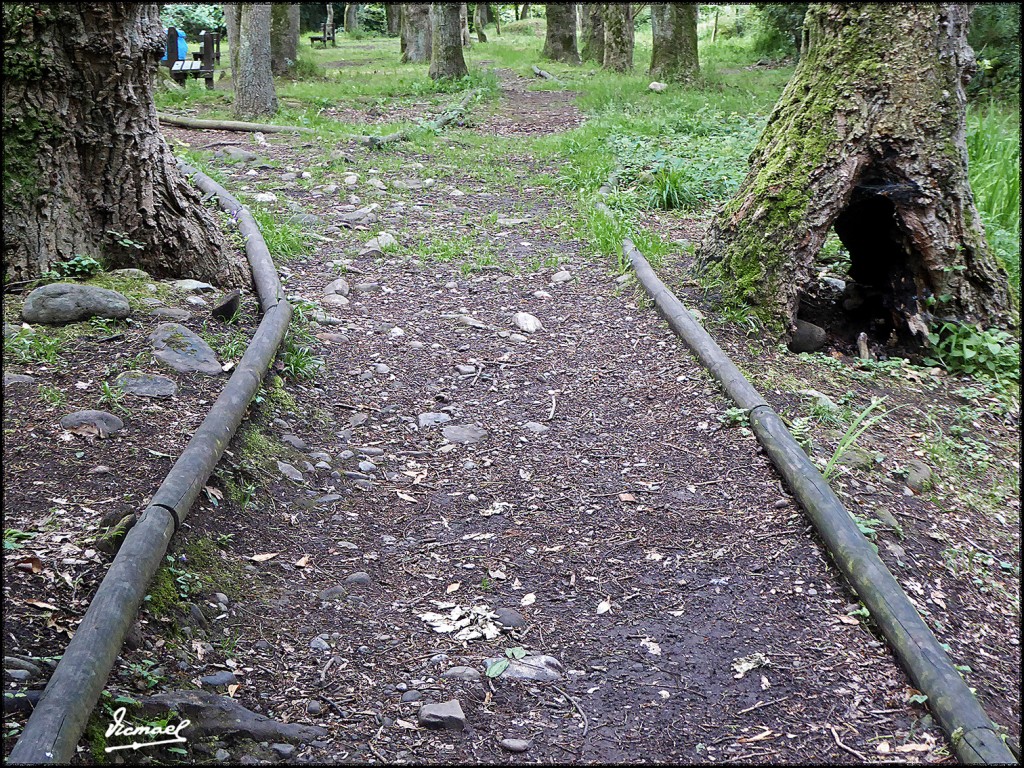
<point>581,492</point>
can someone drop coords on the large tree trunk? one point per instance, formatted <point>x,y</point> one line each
<point>593,32</point>
<point>618,37</point>
<point>867,137</point>
<point>480,21</point>
<point>253,80</point>
<point>464,24</point>
<point>446,59</point>
<point>284,37</point>
<point>674,40</point>
<point>416,33</point>
<point>83,154</point>
<point>560,33</point>
<point>330,16</point>
<point>232,14</point>
<point>391,15</point>
<point>351,17</point>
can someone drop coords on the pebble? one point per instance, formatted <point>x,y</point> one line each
<point>515,745</point>
<point>410,696</point>
<point>526,322</point>
<point>284,750</point>
<point>447,715</point>
<point>509,618</point>
<point>219,679</point>
<point>381,368</point>
<point>332,593</point>
<point>536,668</point>
<point>466,369</point>
<point>104,423</point>
<point>535,427</point>
<point>461,673</point>
<point>516,337</point>
<point>367,466</point>
<point>221,755</point>
<point>359,577</point>
<point>289,471</point>
<point>314,707</point>
<point>561,277</point>
<point>467,433</point>
<point>371,451</point>
<point>319,644</point>
<point>294,441</point>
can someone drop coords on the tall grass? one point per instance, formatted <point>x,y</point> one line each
<point>993,148</point>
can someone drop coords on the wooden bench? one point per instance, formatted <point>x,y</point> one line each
<point>326,33</point>
<point>198,55</point>
<point>181,70</point>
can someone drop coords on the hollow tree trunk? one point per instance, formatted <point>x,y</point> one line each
<point>83,154</point>
<point>391,18</point>
<point>416,33</point>
<point>674,41</point>
<point>618,36</point>
<point>464,24</point>
<point>351,17</point>
<point>252,78</point>
<point>480,21</point>
<point>868,137</point>
<point>560,34</point>
<point>284,37</point>
<point>593,32</point>
<point>446,59</point>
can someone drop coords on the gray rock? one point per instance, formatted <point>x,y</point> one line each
<point>289,471</point>
<point>221,755</point>
<point>466,433</point>
<point>382,368</point>
<point>807,337</point>
<point>294,441</point>
<point>540,669</point>
<point>360,217</point>
<point>146,384</point>
<point>359,577</point>
<point>835,283</point>
<point>516,337</point>
<point>506,222</point>
<point>180,349</point>
<point>339,287</point>
<point>410,696</point>
<point>466,370</point>
<point>281,423</point>
<point>358,419</point>
<point>219,679</point>
<point>17,675</point>
<point>430,419</point>
<point>377,245</point>
<point>333,593</point>
<point>447,715</point>
<point>371,451</point>
<point>509,618</point>
<point>886,517</point>
<point>561,277</point>
<point>131,273</point>
<point>526,322</point>
<point>366,288</point>
<point>536,427</point>
<point>192,286</point>
<point>196,301</point>
<point>319,644</point>
<point>858,458</point>
<point>19,381</point>
<point>919,476</point>
<point>284,750</point>
<point>367,466</point>
<point>820,400</point>
<point>62,303</point>
<point>462,673</point>
<point>171,313</point>
<point>515,745</point>
<point>236,153</point>
<point>314,707</point>
<point>11,330</point>
<point>105,423</point>
<point>472,322</point>
<point>227,305</point>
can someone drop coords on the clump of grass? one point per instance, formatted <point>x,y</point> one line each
<point>284,241</point>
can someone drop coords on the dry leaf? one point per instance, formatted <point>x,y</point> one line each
<point>263,558</point>
<point>405,497</point>
<point>851,620</point>
<point>405,724</point>
<point>528,599</point>
<point>453,587</point>
<point>913,748</point>
<point>232,689</point>
<point>604,606</point>
<point>884,748</point>
<point>41,604</point>
<point>302,562</point>
<point>31,563</point>
<point>651,646</point>
<point>627,497</point>
<point>215,493</point>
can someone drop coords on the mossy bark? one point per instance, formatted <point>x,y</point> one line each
<point>351,17</point>
<point>253,80</point>
<point>592,32</point>
<point>83,154</point>
<point>464,24</point>
<point>284,37</point>
<point>391,18</point>
<point>480,21</point>
<point>618,36</point>
<point>416,33</point>
<point>868,137</point>
<point>446,59</point>
<point>560,33</point>
<point>674,41</point>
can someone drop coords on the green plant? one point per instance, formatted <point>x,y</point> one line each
<point>298,363</point>
<point>34,347</point>
<point>962,348</point>
<point>111,397</point>
<point>13,538</point>
<point>735,417</point>
<point>52,396</point>
<point>76,267</point>
<point>125,241</point>
<point>860,425</point>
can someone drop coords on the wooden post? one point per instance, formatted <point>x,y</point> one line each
<point>207,57</point>
<point>172,46</point>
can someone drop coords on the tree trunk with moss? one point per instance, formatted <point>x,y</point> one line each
<point>592,32</point>
<point>284,37</point>
<point>252,77</point>
<point>464,24</point>
<point>351,17</point>
<point>674,41</point>
<point>560,33</point>
<point>416,33</point>
<point>618,36</point>
<point>869,138</point>
<point>391,18</point>
<point>446,59</point>
<point>84,163</point>
<point>480,21</point>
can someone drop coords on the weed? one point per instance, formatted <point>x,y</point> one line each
<point>735,417</point>
<point>34,347</point>
<point>13,538</point>
<point>77,267</point>
<point>52,396</point>
<point>962,348</point>
<point>859,426</point>
<point>298,363</point>
<point>111,397</point>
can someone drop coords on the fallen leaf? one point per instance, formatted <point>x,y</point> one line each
<point>747,663</point>
<point>31,563</point>
<point>651,646</point>
<point>496,574</point>
<point>767,734</point>
<point>405,497</point>
<point>214,493</point>
<point>604,606</point>
<point>528,599</point>
<point>497,668</point>
<point>884,748</point>
<point>851,620</point>
<point>765,685</point>
<point>263,558</point>
<point>913,748</point>
<point>302,562</point>
<point>232,689</point>
<point>41,604</point>
<point>405,724</point>
<point>453,587</point>
<point>627,497</point>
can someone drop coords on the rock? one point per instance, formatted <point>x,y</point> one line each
<point>561,277</point>
<point>319,644</point>
<point>314,707</point>
<point>410,696</point>
<point>359,577</point>
<point>146,384</point>
<point>307,220</point>
<point>886,517</point>
<point>17,675</point>
<point>540,669</point>
<point>367,466</point>
<point>466,370</point>
<point>807,337</point>
<point>294,441</point>
<point>541,295</point>
<point>196,301</point>
<point>284,750</point>
<point>462,673</point>
<point>509,618</point>
<point>467,433</point>
<point>472,322</point>
<point>11,330</point>
<point>350,179</point>
<point>171,313</point>
<point>515,745</point>
<point>820,400</point>
<point>236,153</point>
<point>371,451</point>
<point>62,303</point>
<point>835,283</point>
<point>221,755</point>
<point>339,287</point>
<point>526,322</point>
<point>919,476</point>
<point>289,176</point>
<point>366,288</point>
<point>506,222</point>
<point>857,458</point>
<point>382,368</point>
<point>447,715</point>
<point>180,349</point>
<point>379,244</point>
<point>289,471</point>
<point>219,679</point>
<point>657,87</point>
<point>227,305</point>
<point>105,423</point>
<point>334,300</point>
<point>377,183</point>
<point>535,427</point>
<point>333,593</point>
<point>361,217</point>
<point>430,419</point>
<point>221,598</point>
<point>192,286</point>
<point>516,337</point>
<point>19,381</point>
<point>265,197</point>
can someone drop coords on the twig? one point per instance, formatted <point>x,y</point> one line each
<point>349,407</point>
<point>842,746</point>
<point>228,125</point>
<point>761,704</point>
<point>552,414</point>
<point>586,723</point>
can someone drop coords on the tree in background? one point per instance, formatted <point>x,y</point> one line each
<point>867,137</point>
<point>779,28</point>
<point>85,167</point>
<point>351,17</point>
<point>618,36</point>
<point>480,21</point>
<point>249,37</point>
<point>464,24</point>
<point>674,41</point>
<point>446,59</point>
<point>560,33</point>
<point>284,37</point>
<point>592,34</point>
<point>416,33</point>
<point>391,15</point>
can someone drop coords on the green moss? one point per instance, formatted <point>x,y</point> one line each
<point>96,737</point>
<point>163,597</point>
<point>203,558</point>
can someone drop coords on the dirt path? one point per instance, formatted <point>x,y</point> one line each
<point>602,503</point>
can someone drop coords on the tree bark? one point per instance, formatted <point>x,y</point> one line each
<point>674,41</point>
<point>446,59</point>
<point>391,16</point>
<point>560,33</point>
<point>868,137</point>
<point>416,33</point>
<point>284,37</point>
<point>480,21</point>
<point>253,80</point>
<point>232,14</point>
<point>593,32</point>
<point>83,154</point>
<point>524,12</point>
<point>351,17</point>
<point>618,36</point>
<point>330,15</point>
<point>464,24</point>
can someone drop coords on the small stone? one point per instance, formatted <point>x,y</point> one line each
<point>319,644</point>
<point>367,466</point>
<point>182,350</point>
<point>657,87</point>
<point>515,745</point>
<point>294,441</point>
<point>358,419</point>
<point>221,755</point>
<point>333,593</point>
<point>131,273</point>
<point>314,707</point>
<point>105,423</point>
<point>447,715</point>
<point>820,400</point>
<point>431,418</point>
<point>371,451</point>
<point>171,313</point>
<point>339,287</point>
<point>526,322</point>
<point>462,673</point>
<point>289,176</point>
<point>807,337</point>
<point>359,577</point>
<point>18,675</point>
<point>377,245</point>
<point>63,303</point>
<point>857,458</point>
<point>382,368</point>
<point>516,337</point>
<point>265,197</point>
<point>507,222</point>
<point>467,433</point>
<point>410,696</point>
<point>192,286</point>
<point>237,153</point>
<point>466,369</point>
<point>509,618</point>
<point>146,384</point>
<point>416,344</point>
<point>284,750</point>
<point>535,427</point>
<point>919,476</point>
<point>227,305</point>
<point>289,471</point>
<point>561,277</point>
<point>196,301</point>
<point>219,679</point>
<point>366,288</point>
<point>19,381</point>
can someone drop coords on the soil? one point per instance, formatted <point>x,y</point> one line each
<point>648,545</point>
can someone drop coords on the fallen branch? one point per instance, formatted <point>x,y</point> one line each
<point>545,74</point>
<point>228,125</point>
<point>374,142</point>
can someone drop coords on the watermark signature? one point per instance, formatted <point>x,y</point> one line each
<point>118,728</point>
